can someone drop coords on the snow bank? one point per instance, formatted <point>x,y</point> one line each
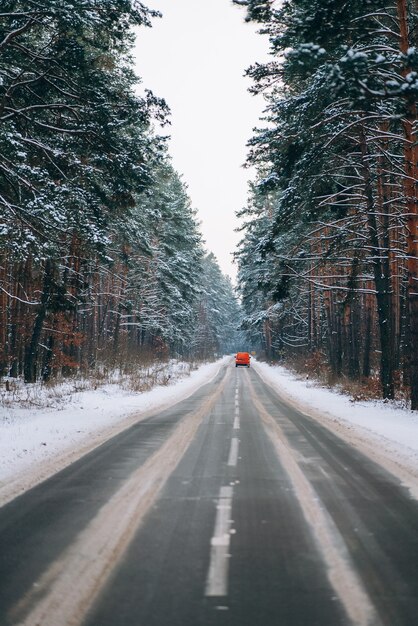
<point>31,436</point>
<point>393,428</point>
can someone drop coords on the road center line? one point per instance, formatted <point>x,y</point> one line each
<point>233,452</point>
<point>217,578</point>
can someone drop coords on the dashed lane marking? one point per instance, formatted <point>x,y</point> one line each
<point>233,452</point>
<point>217,578</point>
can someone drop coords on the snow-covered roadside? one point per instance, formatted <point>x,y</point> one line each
<point>36,442</point>
<point>387,433</point>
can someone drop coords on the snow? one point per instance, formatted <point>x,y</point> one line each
<point>37,441</point>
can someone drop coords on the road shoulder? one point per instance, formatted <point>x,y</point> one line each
<point>58,451</point>
<point>396,459</point>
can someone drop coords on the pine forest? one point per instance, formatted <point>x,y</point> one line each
<point>101,256</point>
<point>328,261</point>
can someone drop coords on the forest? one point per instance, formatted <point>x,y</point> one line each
<point>328,261</point>
<point>101,257</point>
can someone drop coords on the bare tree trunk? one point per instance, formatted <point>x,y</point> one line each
<point>367,344</point>
<point>410,185</point>
<point>267,339</point>
<point>31,353</point>
<point>381,279</point>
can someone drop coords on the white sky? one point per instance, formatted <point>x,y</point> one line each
<point>195,58</point>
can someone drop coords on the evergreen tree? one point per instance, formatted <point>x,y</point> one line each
<point>66,97</point>
<point>341,96</point>
<point>219,314</point>
<point>100,249</point>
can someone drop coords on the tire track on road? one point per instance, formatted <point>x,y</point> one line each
<point>341,573</point>
<point>66,591</point>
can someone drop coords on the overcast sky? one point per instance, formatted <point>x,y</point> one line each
<point>195,57</point>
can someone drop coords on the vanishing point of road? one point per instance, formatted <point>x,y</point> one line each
<point>230,508</point>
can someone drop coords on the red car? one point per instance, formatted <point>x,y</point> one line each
<point>242,358</point>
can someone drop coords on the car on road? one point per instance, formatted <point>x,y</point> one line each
<point>242,358</point>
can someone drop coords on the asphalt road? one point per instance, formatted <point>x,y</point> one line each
<point>231,508</point>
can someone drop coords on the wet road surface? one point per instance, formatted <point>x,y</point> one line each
<point>231,508</point>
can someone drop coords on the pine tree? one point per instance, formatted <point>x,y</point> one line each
<point>219,313</point>
<point>341,96</point>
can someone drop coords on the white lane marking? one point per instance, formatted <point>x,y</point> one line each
<point>236,402</point>
<point>217,578</point>
<point>233,452</point>
<point>236,419</point>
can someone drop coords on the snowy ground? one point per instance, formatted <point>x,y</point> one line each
<point>42,431</point>
<point>36,441</point>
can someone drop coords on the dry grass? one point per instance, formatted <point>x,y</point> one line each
<point>137,378</point>
<point>314,367</point>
